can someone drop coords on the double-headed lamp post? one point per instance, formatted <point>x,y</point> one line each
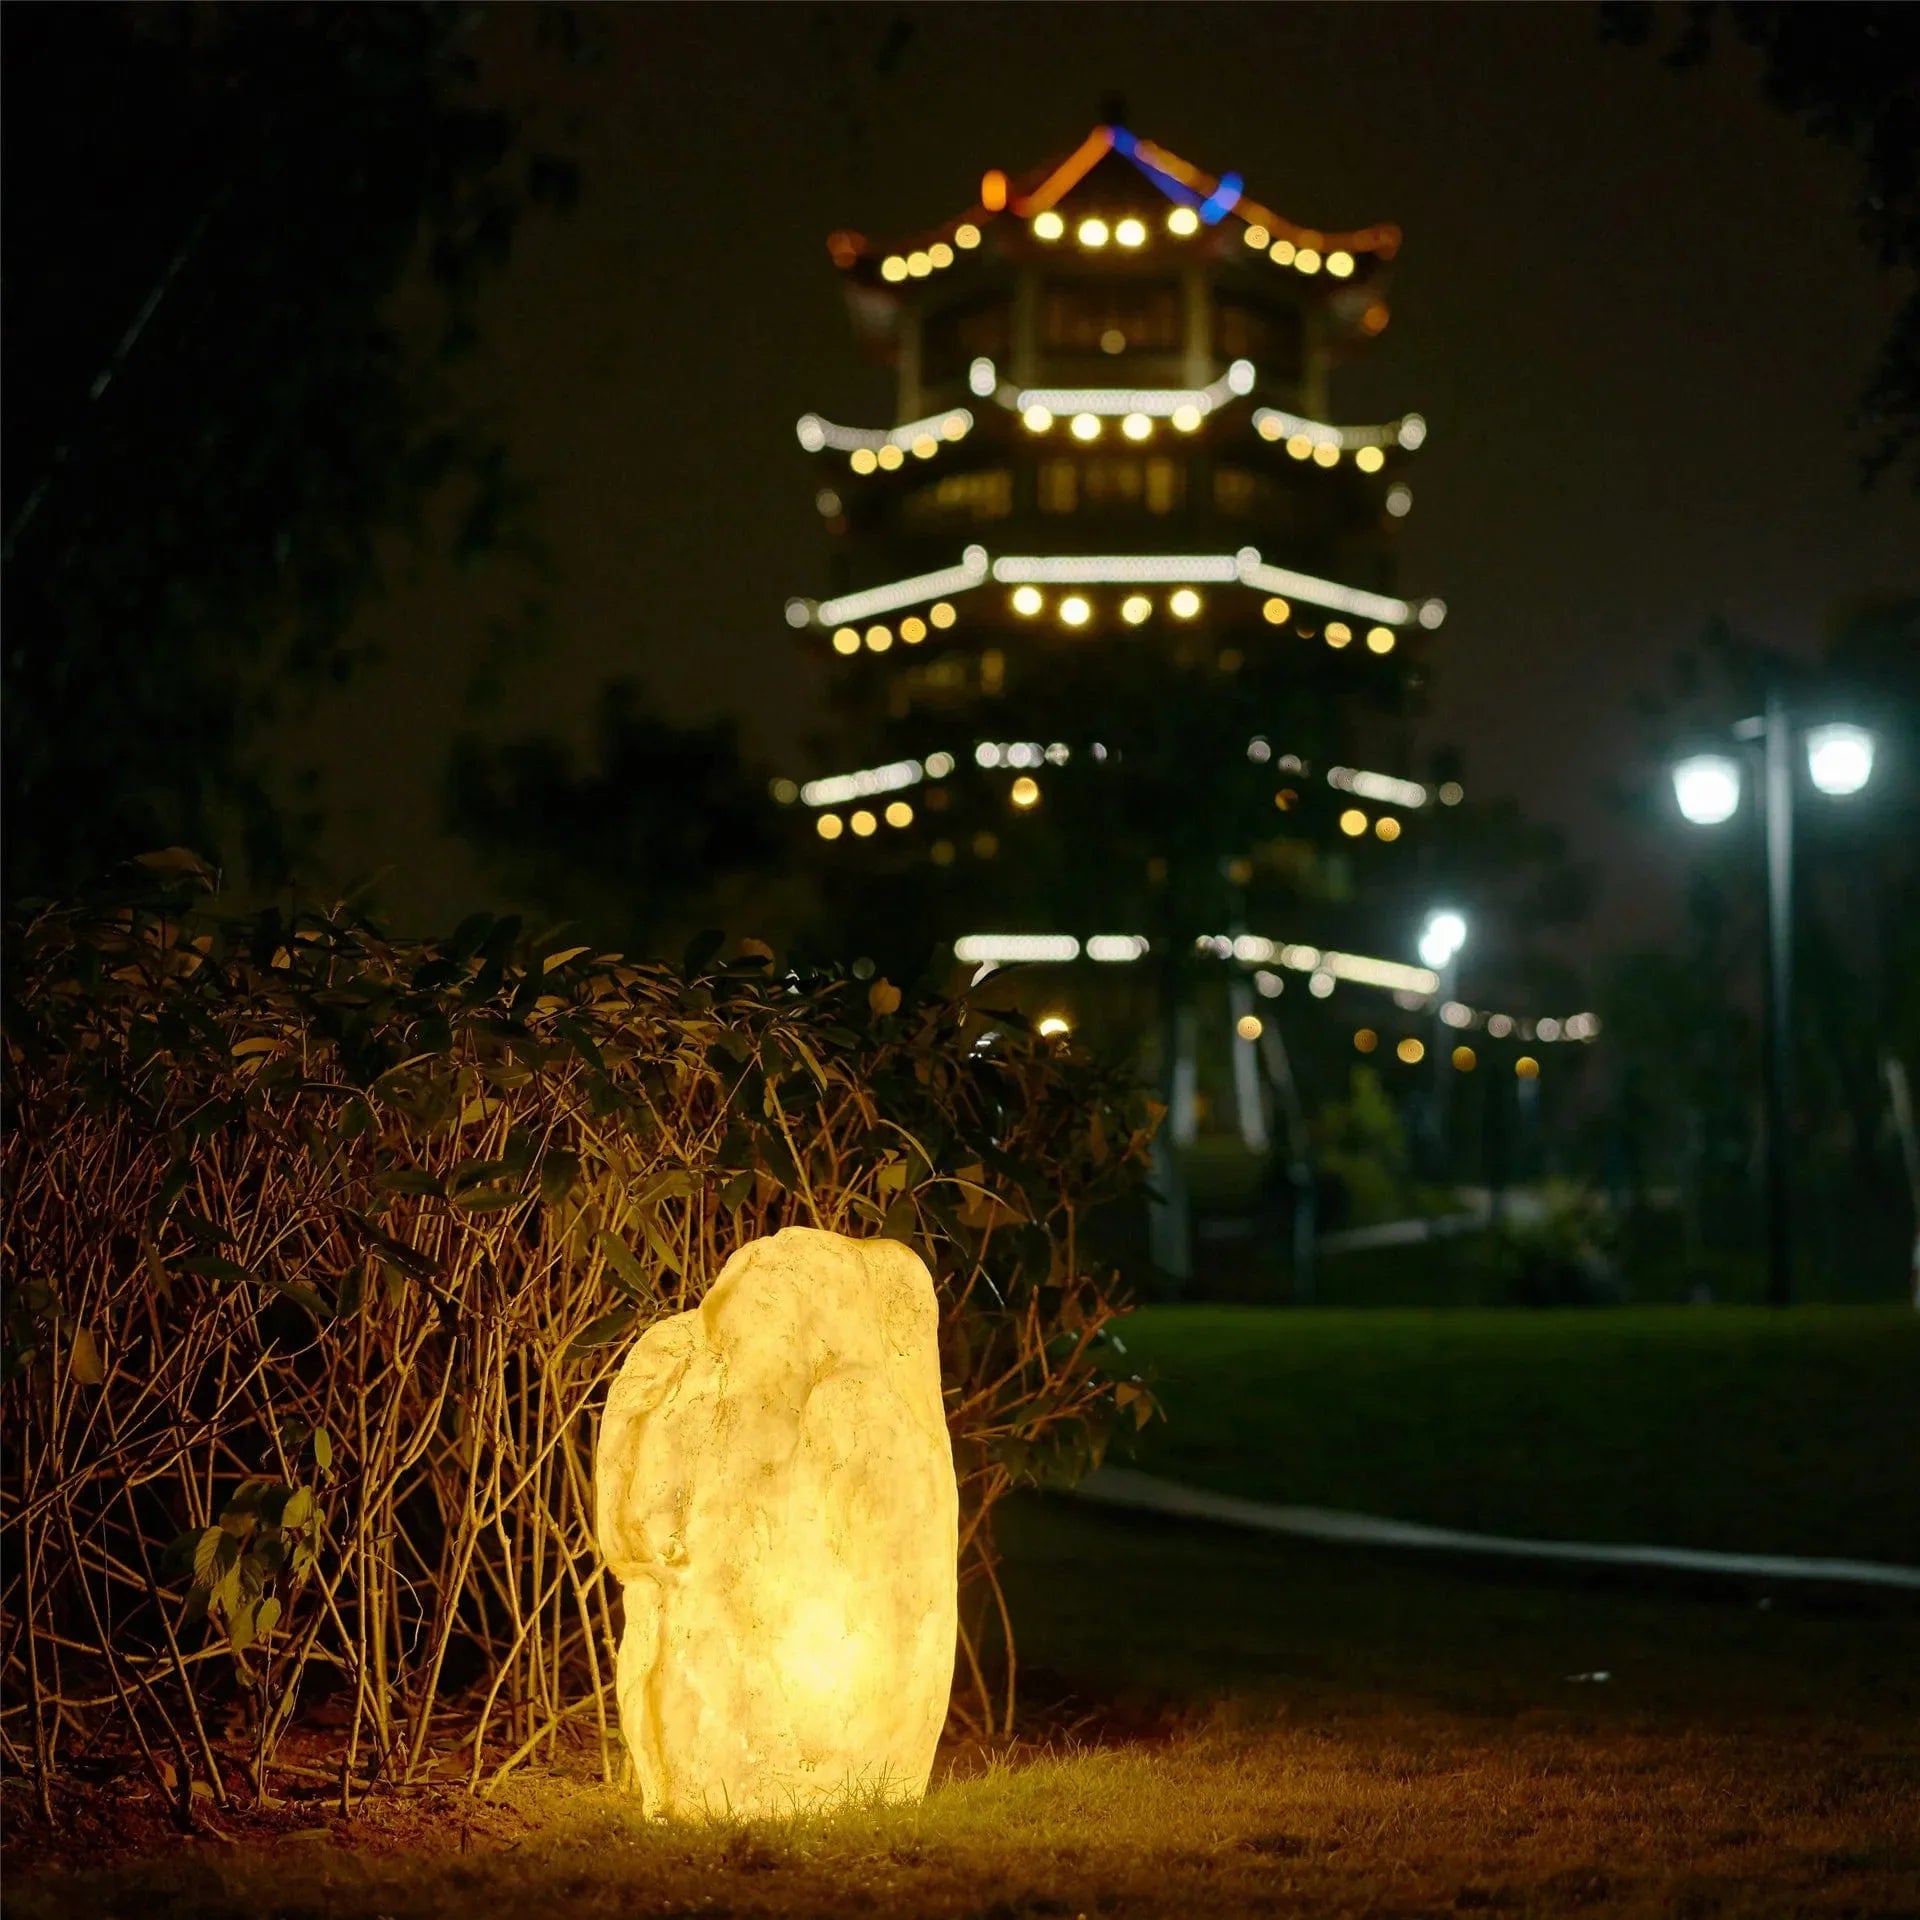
<point>1707,786</point>
<point>1441,939</point>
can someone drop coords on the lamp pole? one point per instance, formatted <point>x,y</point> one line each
<point>1777,812</point>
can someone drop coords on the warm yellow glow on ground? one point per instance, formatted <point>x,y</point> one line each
<point>775,1492</point>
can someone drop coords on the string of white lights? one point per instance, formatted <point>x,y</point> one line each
<point>816,433</point>
<point>897,593</point>
<point>1159,403</point>
<point>1112,568</point>
<point>1255,572</point>
<point>1275,423</point>
<point>1383,787</point>
<point>1006,949</point>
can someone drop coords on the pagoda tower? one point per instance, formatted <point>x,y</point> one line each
<point>1113,622</point>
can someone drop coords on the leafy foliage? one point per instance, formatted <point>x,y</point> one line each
<point>322,1246</point>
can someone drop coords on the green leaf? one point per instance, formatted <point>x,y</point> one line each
<point>603,1331</point>
<point>407,1180</point>
<point>322,1448</point>
<point>217,1266</point>
<point>673,1184</point>
<point>298,1510</point>
<point>265,1616</point>
<point>736,1192</point>
<point>558,1171</point>
<point>626,1270</point>
<point>240,1624</point>
<point>84,1360</point>
<point>901,1221</point>
<point>206,1553</point>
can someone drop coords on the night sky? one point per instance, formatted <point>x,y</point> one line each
<point>1633,306</point>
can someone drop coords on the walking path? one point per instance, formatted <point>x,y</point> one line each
<point>1123,1487</point>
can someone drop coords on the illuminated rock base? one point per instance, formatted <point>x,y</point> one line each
<point>776,1495</point>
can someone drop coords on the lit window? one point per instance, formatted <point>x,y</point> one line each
<point>1048,225</point>
<point>1131,232</point>
<point>1025,792</point>
<point>1276,613</point>
<point>1086,426</point>
<point>1075,610</point>
<point>1369,459</point>
<point>1353,823</point>
<point>1164,486</point>
<point>1027,601</point>
<point>1183,221</point>
<point>828,826</point>
<point>1136,426</point>
<point>1036,419</point>
<point>1135,608</point>
<point>967,235</point>
<point>1340,265</point>
<point>941,613</point>
<point>1411,1051</point>
<point>899,814</point>
<point>1387,827</point>
<point>1379,639</point>
<point>1365,1040</point>
<point>1184,603</point>
<point>879,639</point>
<point>1092,233</point>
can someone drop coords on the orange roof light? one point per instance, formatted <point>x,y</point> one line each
<point>993,190</point>
<point>1068,174</point>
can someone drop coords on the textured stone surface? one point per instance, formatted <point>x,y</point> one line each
<point>776,1495</point>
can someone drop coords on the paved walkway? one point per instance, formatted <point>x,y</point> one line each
<point>1123,1487</point>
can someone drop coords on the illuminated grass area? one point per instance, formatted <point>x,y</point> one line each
<point>1728,1427</point>
<point>1224,1724</point>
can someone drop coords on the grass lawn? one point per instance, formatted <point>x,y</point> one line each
<point>1727,1427</point>
<point>1224,1724</point>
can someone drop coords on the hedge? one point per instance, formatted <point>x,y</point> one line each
<point>321,1247</point>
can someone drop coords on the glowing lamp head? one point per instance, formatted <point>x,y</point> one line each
<point>1839,758</point>
<point>1075,610</point>
<point>1184,603</point>
<point>1048,225</point>
<point>1036,419</point>
<point>1136,426</point>
<point>1086,426</point>
<point>1131,232</point>
<point>1092,233</point>
<point>1025,792</point>
<point>1135,608</point>
<point>1054,1026</point>
<point>1441,938</point>
<point>1707,786</point>
<point>1027,601</point>
<point>1183,221</point>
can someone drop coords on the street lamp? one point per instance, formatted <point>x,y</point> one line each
<point>1707,788</point>
<point>1441,939</point>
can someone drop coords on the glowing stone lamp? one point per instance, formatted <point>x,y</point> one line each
<point>775,1493</point>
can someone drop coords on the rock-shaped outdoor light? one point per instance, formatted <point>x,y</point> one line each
<point>776,1495</point>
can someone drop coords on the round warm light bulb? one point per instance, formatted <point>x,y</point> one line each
<point>1400,501</point>
<point>941,613</point>
<point>1412,431</point>
<point>1411,1051</point>
<point>899,814</point>
<point>1369,459</point>
<point>1131,232</point>
<point>1135,608</point>
<point>1086,426</point>
<point>893,268</point>
<point>1339,264</point>
<point>925,446</point>
<point>1353,823</point>
<point>954,426</point>
<point>1028,601</point>
<point>879,639</point>
<point>1379,639</point>
<point>1463,1059</point>
<point>1527,1067</point>
<point>1093,233</point>
<point>1441,938</point>
<point>1025,792</point>
<point>1184,603</point>
<point>1300,446</point>
<point>828,826</point>
<point>1136,426</point>
<point>1326,454</point>
<point>890,458</point>
<point>913,629</point>
<point>863,823</point>
<point>862,460</point>
<point>1249,1026</point>
<point>1276,613</point>
<point>940,254</point>
<point>1839,758</point>
<point>1054,1026</point>
<point>1268,426</point>
<point>1048,225</point>
<point>1707,786</point>
<point>1281,252</point>
<point>846,640</point>
<point>919,264</point>
<point>1365,1040</point>
<point>1307,260</point>
<point>1183,221</point>
<point>966,235</point>
<point>1186,419</point>
<point>1075,610</point>
<point>1257,237</point>
<point>1338,633</point>
<point>1386,827</point>
<point>1036,419</point>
